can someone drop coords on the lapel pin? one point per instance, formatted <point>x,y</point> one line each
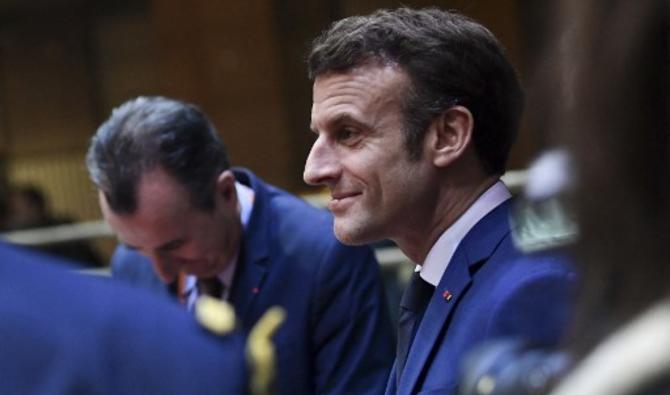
<point>255,290</point>
<point>447,295</point>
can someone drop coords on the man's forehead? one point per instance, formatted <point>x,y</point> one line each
<point>354,93</point>
<point>158,196</point>
<point>141,230</point>
<point>370,78</point>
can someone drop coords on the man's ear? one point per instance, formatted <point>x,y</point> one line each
<point>225,187</point>
<point>450,135</point>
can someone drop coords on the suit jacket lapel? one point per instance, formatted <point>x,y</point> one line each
<point>392,380</point>
<point>456,280</point>
<point>477,246</point>
<point>255,250</point>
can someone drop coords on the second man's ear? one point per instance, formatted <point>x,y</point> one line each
<point>225,186</point>
<point>450,135</point>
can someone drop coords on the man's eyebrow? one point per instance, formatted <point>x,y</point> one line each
<point>339,119</point>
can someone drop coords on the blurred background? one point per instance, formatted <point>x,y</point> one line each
<point>64,64</point>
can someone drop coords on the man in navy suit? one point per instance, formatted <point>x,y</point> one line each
<point>414,113</point>
<point>168,192</point>
<point>64,333</point>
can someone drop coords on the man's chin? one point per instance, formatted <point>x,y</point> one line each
<point>352,235</point>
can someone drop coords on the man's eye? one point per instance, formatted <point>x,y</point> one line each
<point>346,135</point>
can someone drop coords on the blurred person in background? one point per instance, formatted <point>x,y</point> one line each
<point>617,127</point>
<point>606,92</point>
<point>63,333</point>
<point>28,208</point>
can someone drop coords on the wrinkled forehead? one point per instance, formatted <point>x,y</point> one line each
<point>374,77</point>
<point>361,89</point>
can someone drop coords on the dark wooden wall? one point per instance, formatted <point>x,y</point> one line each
<point>64,64</point>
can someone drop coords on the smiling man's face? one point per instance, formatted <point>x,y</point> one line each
<point>175,235</point>
<point>360,152</point>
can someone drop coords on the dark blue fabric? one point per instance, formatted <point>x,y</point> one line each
<point>337,338</point>
<point>65,333</point>
<point>412,307</point>
<point>133,268</point>
<point>496,292</point>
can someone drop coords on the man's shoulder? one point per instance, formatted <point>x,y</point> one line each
<point>506,276</point>
<point>135,269</point>
<point>304,229</point>
<point>280,205</point>
<point>298,218</point>
<point>126,260</point>
<point>85,325</point>
<point>301,233</point>
<point>492,244</point>
<point>509,266</point>
<point>306,233</point>
<point>522,291</point>
<point>97,298</point>
<point>292,219</point>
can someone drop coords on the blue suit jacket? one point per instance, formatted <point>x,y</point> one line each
<point>63,333</point>
<point>337,338</point>
<point>496,291</point>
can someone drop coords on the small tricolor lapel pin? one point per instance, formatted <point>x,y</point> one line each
<point>447,295</point>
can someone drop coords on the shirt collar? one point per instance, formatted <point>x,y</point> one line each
<point>440,254</point>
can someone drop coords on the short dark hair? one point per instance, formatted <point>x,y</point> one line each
<point>450,59</point>
<point>155,132</point>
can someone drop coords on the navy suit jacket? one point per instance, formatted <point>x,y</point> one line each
<point>337,338</point>
<point>64,333</point>
<point>496,291</point>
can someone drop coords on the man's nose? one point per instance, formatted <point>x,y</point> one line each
<point>322,166</point>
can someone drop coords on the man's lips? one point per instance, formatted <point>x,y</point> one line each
<point>341,201</point>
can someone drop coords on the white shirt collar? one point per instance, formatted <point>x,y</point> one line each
<point>443,250</point>
<point>245,196</point>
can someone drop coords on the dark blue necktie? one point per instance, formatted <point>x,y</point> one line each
<point>210,286</point>
<point>412,306</point>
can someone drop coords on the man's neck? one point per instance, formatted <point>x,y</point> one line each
<point>451,203</point>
